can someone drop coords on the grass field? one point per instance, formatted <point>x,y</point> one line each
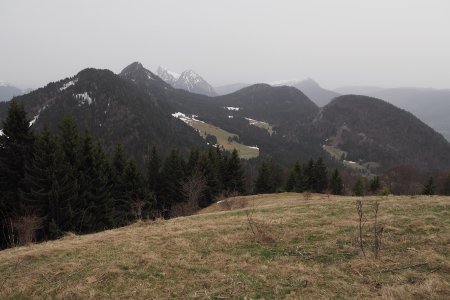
<point>308,252</point>
<point>245,152</point>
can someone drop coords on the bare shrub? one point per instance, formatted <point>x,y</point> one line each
<point>307,195</point>
<point>24,229</point>
<point>192,189</point>
<point>361,222</point>
<point>137,206</point>
<point>378,229</point>
<point>258,229</point>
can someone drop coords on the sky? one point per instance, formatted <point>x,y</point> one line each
<point>386,43</point>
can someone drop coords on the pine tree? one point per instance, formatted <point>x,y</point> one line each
<point>375,184</point>
<point>320,176</point>
<point>299,186</point>
<point>263,184</point>
<point>336,185</point>
<point>134,205</point>
<point>429,187</point>
<point>172,175</point>
<point>16,145</point>
<point>48,189</point>
<point>233,174</point>
<point>118,186</point>
<point>359,189</point>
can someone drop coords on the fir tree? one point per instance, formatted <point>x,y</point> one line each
<point>375,184</point>
<point>336,185</point>
<point>263,182</point>
<point>172,175</point>
<point>16,144</point>
<point>359,189</point>
<point>446,190</point>
<point>233,174</point>
<point>320,176</point>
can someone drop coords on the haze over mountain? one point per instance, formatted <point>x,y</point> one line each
<point>8,91</point>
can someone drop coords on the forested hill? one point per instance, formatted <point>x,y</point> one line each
<point>112,109</point>
<point>373,130</point>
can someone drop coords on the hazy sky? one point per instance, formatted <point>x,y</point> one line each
<point>346,42</point>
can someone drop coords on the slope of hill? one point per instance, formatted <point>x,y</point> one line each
<point>432,106</point>
<point>373,130</point>
<point>302,249</point>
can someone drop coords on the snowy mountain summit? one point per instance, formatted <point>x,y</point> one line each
<point>166,75</point>
<point>188,80</point>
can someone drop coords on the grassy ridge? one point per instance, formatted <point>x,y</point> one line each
<point>214,255</point>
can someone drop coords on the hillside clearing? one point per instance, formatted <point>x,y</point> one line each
<point>214,254</point>
<point>224,138</point>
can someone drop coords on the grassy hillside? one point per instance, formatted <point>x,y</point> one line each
<point>304,247</point>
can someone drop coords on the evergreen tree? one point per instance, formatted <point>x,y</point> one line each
<point>429,187</point>
<point>375,184</point>
<point>359,189</point>
<point>16,144</point>
<point>447,186</point>
<point>336,185</point>
<point>48,189</point>
<point>135,205</point>
<point>263,184</point>
<point>172,175</point>
<point>320,176</point>
<point>299,186</point>
<point>233,174</point>
<point>93,210</point>
<point>118,190</point>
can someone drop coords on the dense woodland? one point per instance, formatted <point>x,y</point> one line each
<point>52,183</point>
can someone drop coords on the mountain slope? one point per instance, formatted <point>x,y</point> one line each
<point>373,130</point>
<point>113,109</point>
<point>166,75</point>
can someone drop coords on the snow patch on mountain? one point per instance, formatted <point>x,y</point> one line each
<point>83,98</point>
<point>232,108</point>
<point>186,119</point>
<point>67,84</point>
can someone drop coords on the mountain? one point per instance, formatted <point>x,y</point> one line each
<point>430,105</point>
<point>187,80</point>
<point>357,90</point>
<point>166,75</point>
<point>194,83</point>
<point>113,109</point>
<point>136,108</point>
<point>374,131</point>
<point>315,92</point>
<point>230,88</point>
<point>8,91</point>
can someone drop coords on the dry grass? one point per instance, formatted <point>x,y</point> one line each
<point>213,255</point>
